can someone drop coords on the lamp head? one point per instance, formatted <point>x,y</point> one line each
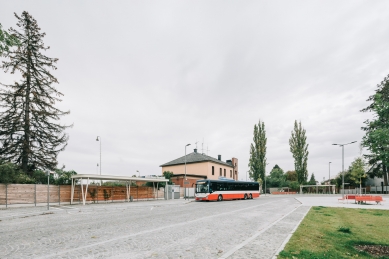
<point>334,144</point>
<point>97,138</point>
<point>188,145</point>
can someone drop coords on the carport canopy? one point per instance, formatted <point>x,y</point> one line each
<point>125,179</point>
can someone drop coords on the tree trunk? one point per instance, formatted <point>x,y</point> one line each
<point>26,140</point>
<point>385,175</point>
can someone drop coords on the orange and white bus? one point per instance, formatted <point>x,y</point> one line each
<point>218,190</point>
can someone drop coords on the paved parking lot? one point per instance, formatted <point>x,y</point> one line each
<point>155,229</point>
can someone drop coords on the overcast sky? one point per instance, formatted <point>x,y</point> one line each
<point>150,77</point>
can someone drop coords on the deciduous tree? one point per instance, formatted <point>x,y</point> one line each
<point>376,138</point>
<point>257,162</point>
<point>357,171</point>
<point>299,149</point>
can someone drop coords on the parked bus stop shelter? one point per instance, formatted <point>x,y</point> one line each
<point>125,179</point>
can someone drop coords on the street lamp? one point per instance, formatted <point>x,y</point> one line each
<point>48,188</point>
<point>329,173</point>
<point>185,171</point>
<point>265,178</point>
<point>342,145</point>
<point>138,173</point>
<point>97,139</point>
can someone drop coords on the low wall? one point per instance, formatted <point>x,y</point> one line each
<point>37,193</point>
<point>283,192</point>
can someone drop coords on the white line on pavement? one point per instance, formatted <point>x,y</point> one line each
<point>150,231</point>
<point>239,246</point>
<point>289,236</point>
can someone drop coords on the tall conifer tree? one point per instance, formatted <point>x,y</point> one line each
<point>257,162</point>
<point>299,149</point>
<point>29,132</point>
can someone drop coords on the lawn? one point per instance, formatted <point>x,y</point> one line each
<point>335,232</point>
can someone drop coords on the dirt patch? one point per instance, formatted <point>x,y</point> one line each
<point>374,250</point>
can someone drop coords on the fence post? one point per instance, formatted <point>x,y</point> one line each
<point>6,195</point>
<point>137,195</point>
<point>112,193</point>
<point>59,194</point>
<point>35,196</point>
<point>97,193</point>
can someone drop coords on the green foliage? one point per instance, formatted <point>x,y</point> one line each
<point>291,176</point>
<point>277,178</point>
<point>8,173</point>
<point>299,149</point>
<point>40,177</point>
<point>106,194</point>
<point>168,175</point>
<point>335,232</point>
<point>312,181</point>
<point>294,185</point>
<point>30,135</point>
<point>376,138</point>
<point>114,183</point>
<point>11,173</point>
<point>93,194</point>
<point>257,162</point>
<point>7,41</point>
<point>64,177</point>
<point>357,170</point>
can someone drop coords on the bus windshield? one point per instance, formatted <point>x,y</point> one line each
<point>202,187</point>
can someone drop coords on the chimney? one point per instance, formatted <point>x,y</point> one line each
<point>219,157</point>
<point>195,150</point>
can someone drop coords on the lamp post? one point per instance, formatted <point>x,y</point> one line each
<point>99,139</point>
<point>342,145</point>
<point>185,172</point>
<point>48,189</point>
<point>138,173</point>
<point>265,178</point>
<point>329,173</point>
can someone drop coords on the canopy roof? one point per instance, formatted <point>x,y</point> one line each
<point>119,178</point>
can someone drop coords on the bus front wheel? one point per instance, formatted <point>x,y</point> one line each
<point>245,196</point>
<point>220,197</point>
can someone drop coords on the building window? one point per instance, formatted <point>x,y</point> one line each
<point>220,172</point>
<point>230,173</point>
<point>224,172</point>
<point>213,170</point>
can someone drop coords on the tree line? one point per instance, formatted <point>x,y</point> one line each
<point>298,147</point>
<point>31,135</point>
<point>373,164</point>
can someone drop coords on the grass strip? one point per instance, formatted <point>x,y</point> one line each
<point>335,232</point>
